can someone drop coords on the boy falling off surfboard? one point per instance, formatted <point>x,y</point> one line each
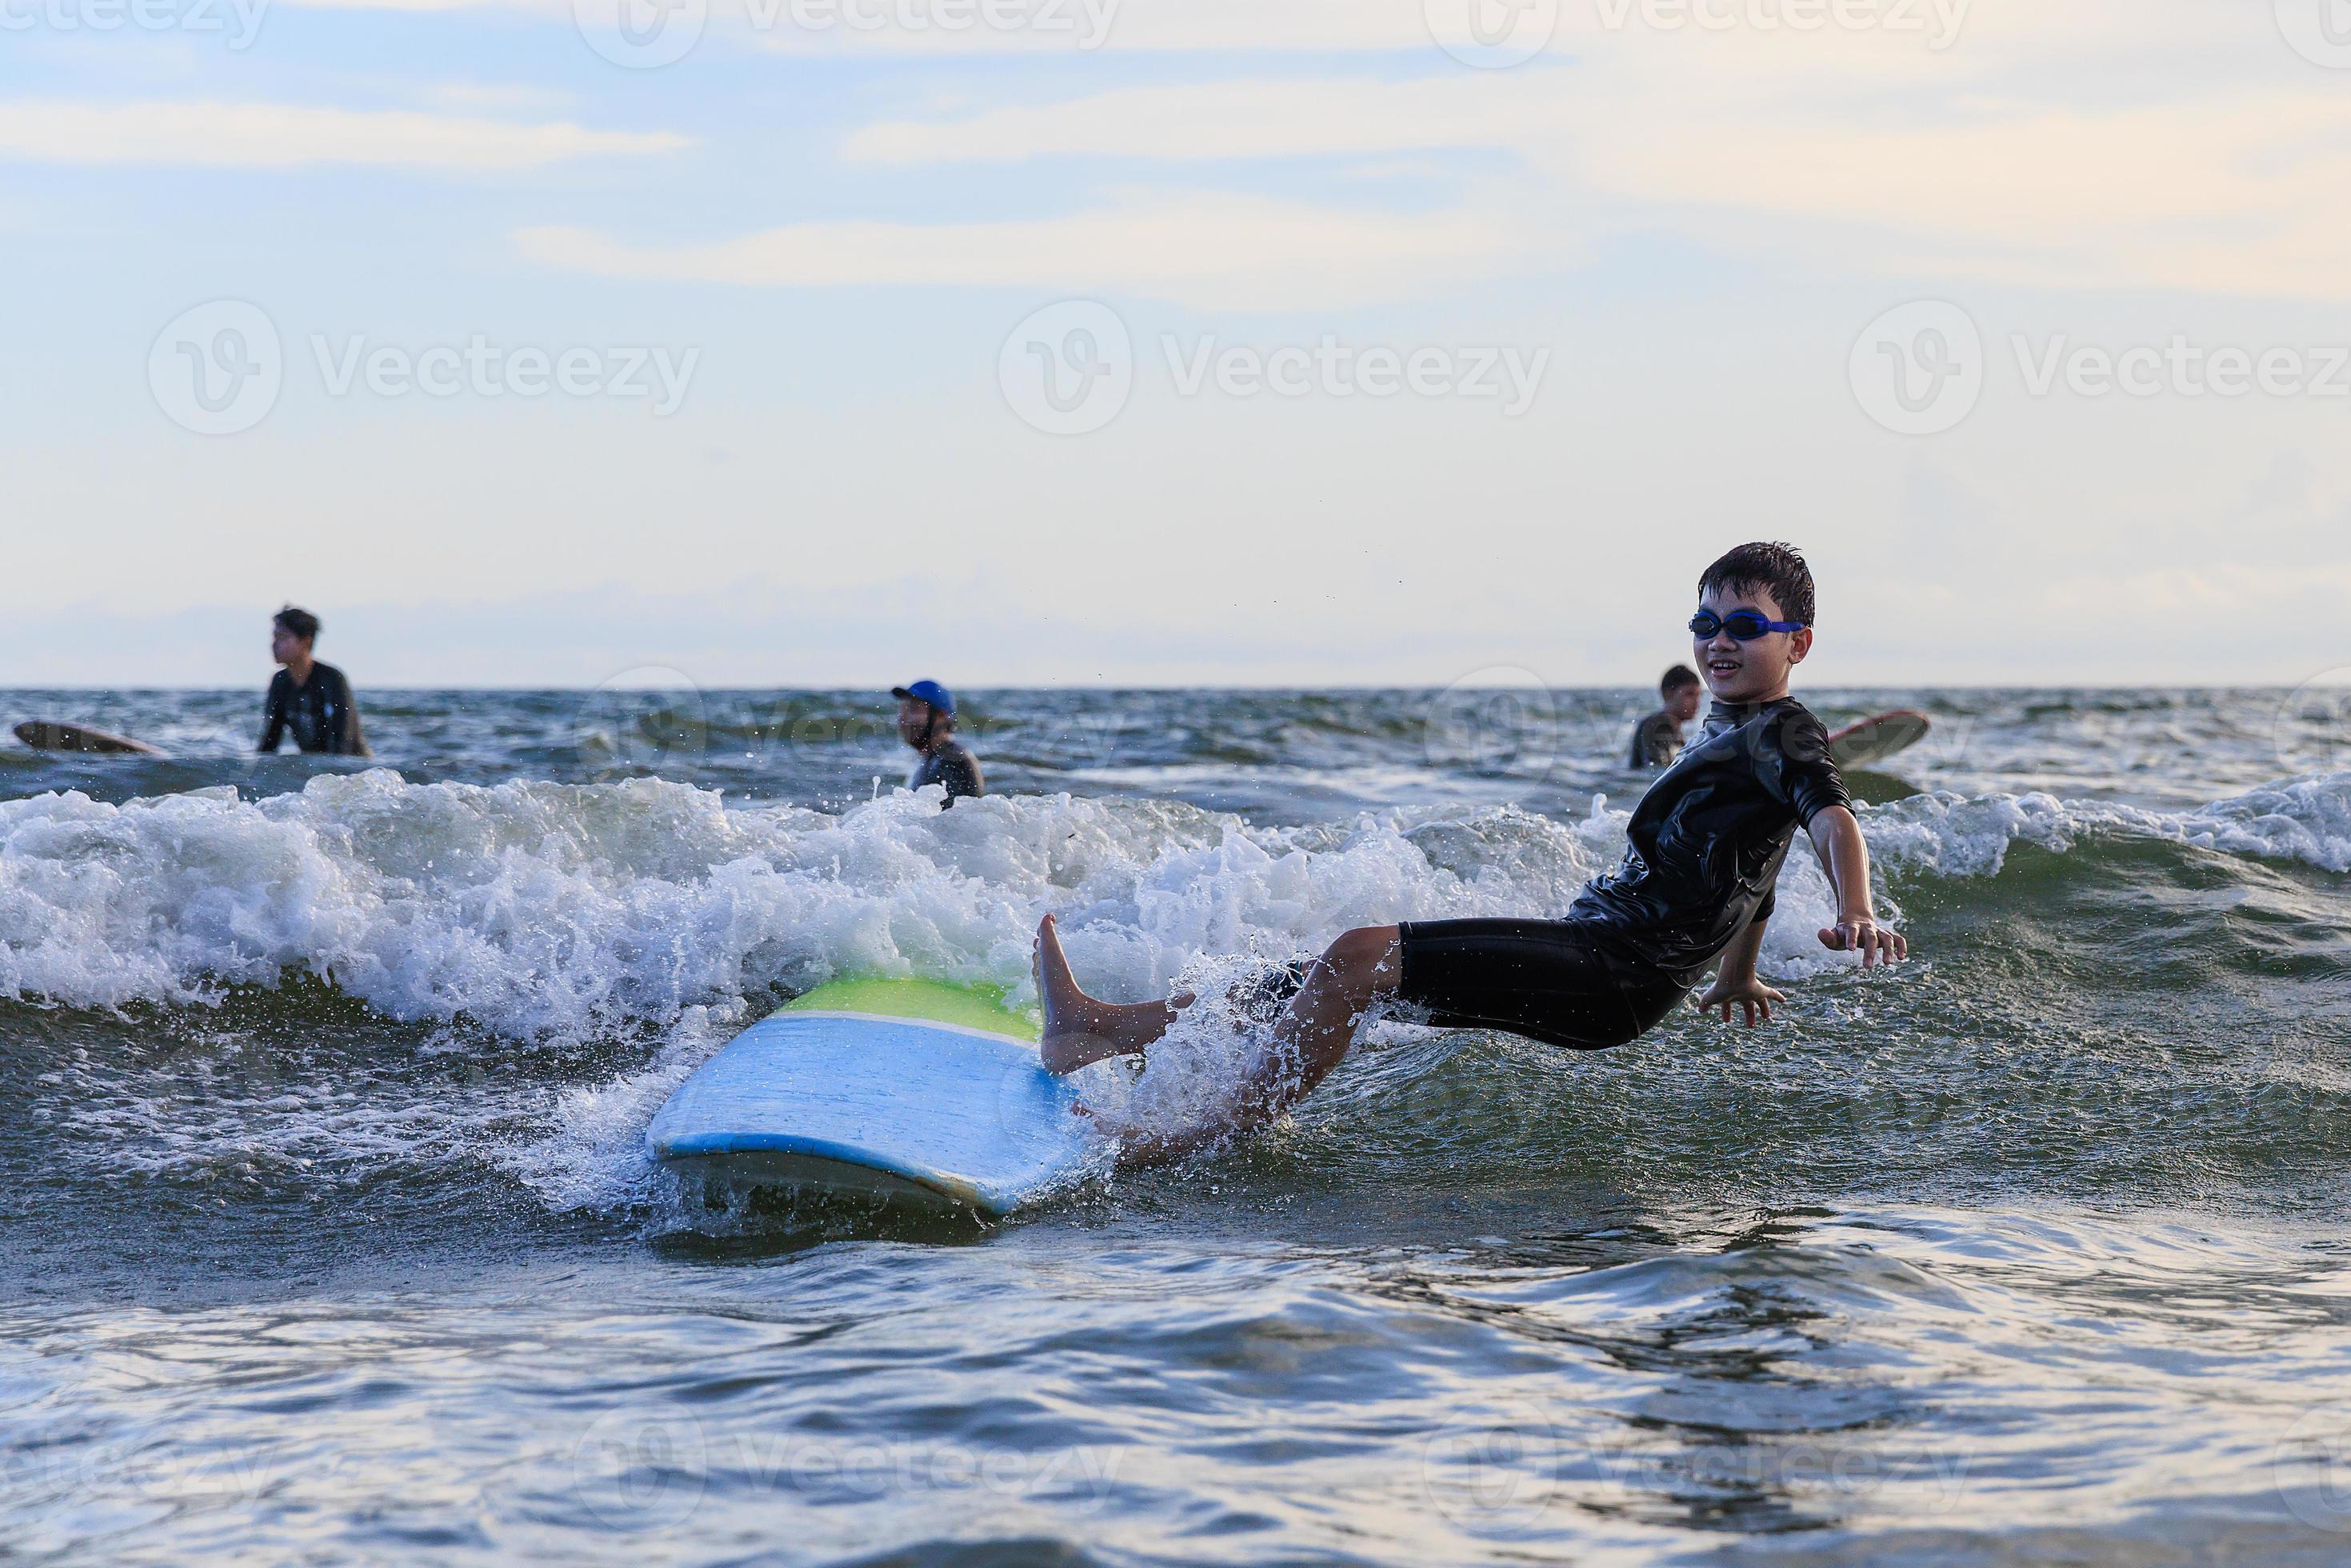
<point>1695,886</point>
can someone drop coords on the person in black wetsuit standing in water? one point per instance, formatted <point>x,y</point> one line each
<point>1692,894</point>
<point>309,699</point>
<point>927,721</point>
<point>1657,739</point>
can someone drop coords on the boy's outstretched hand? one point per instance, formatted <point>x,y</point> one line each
<point>1748,993</point>
<point>1865,936</point>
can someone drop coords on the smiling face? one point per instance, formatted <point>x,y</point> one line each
<point>1755,672</point>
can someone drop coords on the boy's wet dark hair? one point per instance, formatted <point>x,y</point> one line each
<point>1778,567</point>
<point>300,622</point>
<point>1677,677</point>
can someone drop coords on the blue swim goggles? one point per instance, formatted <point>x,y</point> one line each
<point>1744,625</point>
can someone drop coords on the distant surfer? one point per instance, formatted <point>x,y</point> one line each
<point>927,721</point>
<point>1657,739</point>
<point>1697,887</point>
<point>311,699</point>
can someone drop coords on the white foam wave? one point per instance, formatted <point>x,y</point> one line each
<point>550,912</point>
<point>2305,820</point>
<point>553,912</point>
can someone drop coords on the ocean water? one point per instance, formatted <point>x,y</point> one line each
<point>329,1237</point>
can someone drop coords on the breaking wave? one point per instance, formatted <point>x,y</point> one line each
<point>556,912</point>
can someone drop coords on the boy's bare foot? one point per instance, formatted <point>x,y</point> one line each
<point>1077,1029</point>
<point>1071,1018</point>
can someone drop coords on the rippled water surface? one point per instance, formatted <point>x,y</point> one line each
<point>330,1235</point>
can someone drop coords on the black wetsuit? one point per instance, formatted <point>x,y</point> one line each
<point>1704,851</point>
<point>319,711</point>
<point>1657,740</point>
<point>949,763</point>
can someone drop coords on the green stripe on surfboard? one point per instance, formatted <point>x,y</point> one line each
<point>979,1007</point>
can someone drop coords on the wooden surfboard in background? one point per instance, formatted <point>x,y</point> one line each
<point>50,735</point>
<point>1870,741</point>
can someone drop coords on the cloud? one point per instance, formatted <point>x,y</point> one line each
<point>1211,251</point>
<point>2245,195</point>
<point>1246,119</point>
<point>1871,155</point>
<point>881,27</point>
<point>286,136</point>
<point>512,97</point>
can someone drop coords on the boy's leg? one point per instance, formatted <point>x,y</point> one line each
<point>1080,1030</point>
<point>1320,1023</point>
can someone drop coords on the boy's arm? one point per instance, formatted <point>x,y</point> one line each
<point>1837,836</point>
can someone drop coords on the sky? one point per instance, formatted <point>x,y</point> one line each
<point>827,342</point>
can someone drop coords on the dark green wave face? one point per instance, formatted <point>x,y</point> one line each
<point>330,1230</point>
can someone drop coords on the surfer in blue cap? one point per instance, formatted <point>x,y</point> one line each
<point>927,721</point>
<point>1693,895</point>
